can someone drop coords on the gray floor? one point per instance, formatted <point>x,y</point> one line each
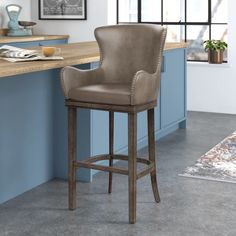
<point>188,206</point>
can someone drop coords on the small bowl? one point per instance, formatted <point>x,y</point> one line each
<point>26,23</point>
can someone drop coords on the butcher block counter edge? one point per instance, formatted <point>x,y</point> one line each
<point>73,54</point>
<point>6,39</point>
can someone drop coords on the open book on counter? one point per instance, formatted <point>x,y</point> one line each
<point>14,54</point>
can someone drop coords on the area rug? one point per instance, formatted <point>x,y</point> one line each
<point>218,164</point>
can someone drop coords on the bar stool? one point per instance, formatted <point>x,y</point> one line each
<point>127,80</point>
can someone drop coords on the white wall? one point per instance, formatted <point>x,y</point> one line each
<point>212,88</point>
<point>25,13</point>
<point>79,30</point>
<point>111,18</point>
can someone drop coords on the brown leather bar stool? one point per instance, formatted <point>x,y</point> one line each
<point>127,80</point>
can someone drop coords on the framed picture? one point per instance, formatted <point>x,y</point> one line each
<point>62,9</point>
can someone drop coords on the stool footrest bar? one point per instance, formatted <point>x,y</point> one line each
<point>102,168</point>
<point>88,163</point>
<point>114,157</point>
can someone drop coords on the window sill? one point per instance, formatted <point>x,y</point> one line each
<point>206,64</point>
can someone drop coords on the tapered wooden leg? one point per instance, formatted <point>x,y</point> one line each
<point>111,147</point>
<point>151,150</point>
<point>72,157</point>
<point>132,166</point>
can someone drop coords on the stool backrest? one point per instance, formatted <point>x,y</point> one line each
<point>126,49</point>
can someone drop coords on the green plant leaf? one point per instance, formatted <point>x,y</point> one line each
<point>215,45</point>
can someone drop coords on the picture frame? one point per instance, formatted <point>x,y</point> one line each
<point>62,9</point>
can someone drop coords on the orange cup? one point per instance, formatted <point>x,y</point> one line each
<point>50,51</point>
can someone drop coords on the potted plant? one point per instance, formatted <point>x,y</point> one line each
<point>215,49</point>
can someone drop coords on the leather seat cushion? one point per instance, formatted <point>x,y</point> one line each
<point>107,93</point>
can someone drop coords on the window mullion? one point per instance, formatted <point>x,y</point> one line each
<point>162,6</point>
<point>209,17</point>
<point>185,21</point>
<point>117,12</point>
<point>139,11</point>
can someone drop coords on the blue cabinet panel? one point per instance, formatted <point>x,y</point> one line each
<point>52,42</point>
<point>37,43</point>
<point>142,125</point>
<point>23,44</point>
<point>99,132</point>
<point>120,132</point>
<point>26,132</point>
<point>173,88</point>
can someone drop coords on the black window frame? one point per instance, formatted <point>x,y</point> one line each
<point>208,23</point>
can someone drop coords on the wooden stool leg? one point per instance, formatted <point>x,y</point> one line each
<point>72,157</point>
<point>132,166</point>
<point>111,147</point>
<point>151,150</point>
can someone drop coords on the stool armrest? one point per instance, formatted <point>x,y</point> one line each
<point>145,86</point>
<point>72,77</point>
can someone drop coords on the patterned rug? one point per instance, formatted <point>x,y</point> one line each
<point>218,164</point>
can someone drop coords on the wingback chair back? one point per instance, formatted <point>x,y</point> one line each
<point>127,49</point>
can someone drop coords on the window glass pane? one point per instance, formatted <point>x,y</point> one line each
<point>195,37</point>
<point>197,10</point>
<point>151,11</point>
<point>173,10</point>
<point>219,11</point>
<point>128,10</point>
<point>220,32</point>
<point>175,33</point>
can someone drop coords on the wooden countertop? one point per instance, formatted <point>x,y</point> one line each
<point>169,46</point>
<point>74,54</point>
<point>7,39</point>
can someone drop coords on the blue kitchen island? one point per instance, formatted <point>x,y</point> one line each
<point>33,118</point>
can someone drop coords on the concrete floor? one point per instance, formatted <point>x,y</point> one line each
<point>188,206</point>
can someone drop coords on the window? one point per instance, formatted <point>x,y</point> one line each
<point>192,21</point>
